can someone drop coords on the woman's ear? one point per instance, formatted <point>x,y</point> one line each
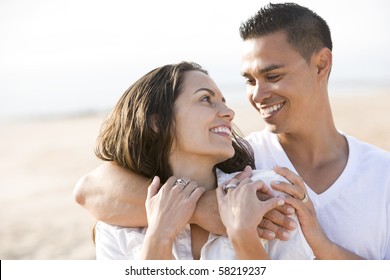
<point>323,60</point>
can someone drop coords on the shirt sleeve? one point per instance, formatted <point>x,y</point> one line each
<point>118,243</point>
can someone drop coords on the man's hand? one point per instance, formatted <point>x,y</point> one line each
<point>276,223</point>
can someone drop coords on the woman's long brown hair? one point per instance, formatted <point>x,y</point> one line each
<point>139,132</point>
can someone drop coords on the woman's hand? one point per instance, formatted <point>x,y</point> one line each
<point>169,207</point>
<point>241,212</point>
<point>239,207</point>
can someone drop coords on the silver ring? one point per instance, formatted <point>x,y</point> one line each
<point>229,186</point>
<point>305,198</point>
<point>181,182</point>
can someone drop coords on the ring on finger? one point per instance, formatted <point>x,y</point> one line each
<point>181,182</point>
<point>229,186</point>
<point>305,198</point>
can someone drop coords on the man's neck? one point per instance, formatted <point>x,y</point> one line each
<point>319,155</point>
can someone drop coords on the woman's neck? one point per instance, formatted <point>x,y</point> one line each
<point>199,171</point>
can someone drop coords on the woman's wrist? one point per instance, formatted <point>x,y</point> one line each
<point>160,236</point>
<point>241,235</point>
<point>157,246</point>
<point>247,244</point>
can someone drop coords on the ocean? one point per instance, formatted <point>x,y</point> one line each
<point>67,102</point>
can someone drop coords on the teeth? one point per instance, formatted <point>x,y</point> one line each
<point>221,129</point>
<point>269,110</point>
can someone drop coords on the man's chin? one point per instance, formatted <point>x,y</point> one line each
<point>273,128</point>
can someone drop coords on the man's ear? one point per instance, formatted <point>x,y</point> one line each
<point>323,62</point>
<point>153,123</point>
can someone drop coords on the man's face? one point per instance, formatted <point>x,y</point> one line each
<point>281,84</point>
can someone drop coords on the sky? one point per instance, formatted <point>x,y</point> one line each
<point>83,54</point>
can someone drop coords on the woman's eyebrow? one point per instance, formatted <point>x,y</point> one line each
<point>206,89</point>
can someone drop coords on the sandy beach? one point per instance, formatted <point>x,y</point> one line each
<point>41,161</point>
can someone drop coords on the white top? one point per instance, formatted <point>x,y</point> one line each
<point>296,248</point>
<point>113,242</point>
<point>355,211</point>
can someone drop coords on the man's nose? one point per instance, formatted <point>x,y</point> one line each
<point>259,93</point>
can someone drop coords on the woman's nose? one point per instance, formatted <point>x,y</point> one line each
<point>227,112</point>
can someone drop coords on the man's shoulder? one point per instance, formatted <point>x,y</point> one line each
<point>258,136</point>
<point>367,150</point>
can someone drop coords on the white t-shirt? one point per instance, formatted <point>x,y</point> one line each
<point>355,211</point>
<point>113,242</point>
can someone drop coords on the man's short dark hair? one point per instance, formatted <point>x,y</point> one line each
<point>306,31</point>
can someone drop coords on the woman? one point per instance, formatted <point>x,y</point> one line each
<point>173,125</point>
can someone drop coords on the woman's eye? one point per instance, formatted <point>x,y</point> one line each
<point>206,98</point>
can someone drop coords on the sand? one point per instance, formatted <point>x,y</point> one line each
<point>41,161</point>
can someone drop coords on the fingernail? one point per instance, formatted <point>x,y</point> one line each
<point>271,235</point>
<point>275,182</point>
<point>286,234</point>
<point>280,202</point>
<point>293,224</point>
<point>291,210</point>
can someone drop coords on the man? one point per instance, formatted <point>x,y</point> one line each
<point>287,59</point>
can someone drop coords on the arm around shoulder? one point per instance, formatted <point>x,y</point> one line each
<point>114,195</point>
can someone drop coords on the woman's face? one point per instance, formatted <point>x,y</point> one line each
<point>202,121</point>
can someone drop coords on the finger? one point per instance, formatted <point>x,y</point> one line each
<point>262,196</point>
<point>286,209</point>
<point>288,189</point>
<point>220,192</point>
<point>170,183</point>
<point>154,187</point>
<point>273,203</point>
<point>298,204</point>
<point>268,226</point>
<point>187,180</point>
<point>265,234</point>
<point>278,219</point>
<point>234,181</point>
<point>182,182</point>
<point>190,188</point>
<point>289,175</point>
<point>197,193</point>
<point>232,184</point>
<point>279,232</point>
<point>262,187</point>
<point>246,173</point>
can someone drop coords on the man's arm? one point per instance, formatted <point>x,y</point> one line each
<point>117,196</point>
<point>114,195</point>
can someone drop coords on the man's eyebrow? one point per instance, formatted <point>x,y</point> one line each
<point>265,69</point>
